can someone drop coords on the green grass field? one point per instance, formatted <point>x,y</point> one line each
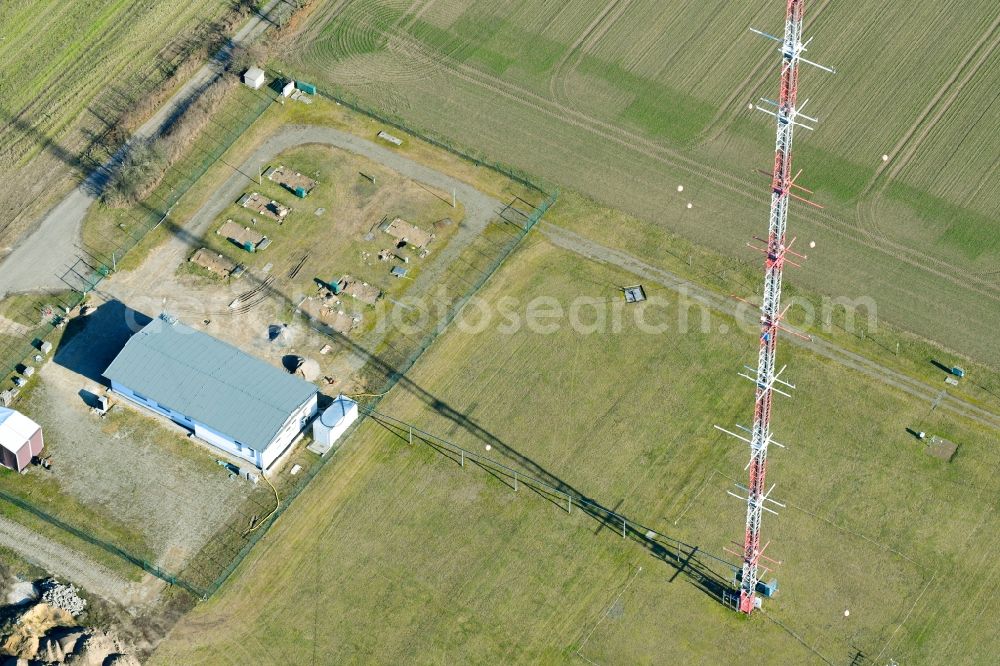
<point>398,554</point>
<point>876,340</point>
<point>27,309</point>
<point>626,101</point>
<point>50,77</point>
<point>71,67</point>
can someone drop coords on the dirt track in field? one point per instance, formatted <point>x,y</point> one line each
<point>38,260</point>
<point>587,248</point>
<point>67,564</point>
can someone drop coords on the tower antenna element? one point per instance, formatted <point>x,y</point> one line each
<point>777,251</point>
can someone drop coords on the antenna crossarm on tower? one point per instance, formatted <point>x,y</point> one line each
<point>786,114</point>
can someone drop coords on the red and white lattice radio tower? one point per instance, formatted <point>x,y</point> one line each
<point>776,254</point>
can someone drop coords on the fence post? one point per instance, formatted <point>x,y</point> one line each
<point>623,528</point>
<point>515,482</point>
<point>569,504</point>
<point>411,434</point>
<point>463,456</point>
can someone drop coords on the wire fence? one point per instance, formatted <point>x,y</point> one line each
<point>385,367</point>
<point>516,479</point>
<point>388,369</point>
<point>103,544</point>
<point>97,260</point>
<point>101,256</point>
<point>354,103</point>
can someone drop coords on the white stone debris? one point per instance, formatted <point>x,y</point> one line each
<point>63,596</point>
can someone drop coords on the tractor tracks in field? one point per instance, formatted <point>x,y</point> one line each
<point>426,60</point>
<point>590,36</point>
<point>351,50</point>
<point>589,249</point>
<point>413,16</point>
<point>37,110</point>
<point>313,28</point>
<point>995,167</point>
<point>904,148</point>
<point>741,187</point>
<point>724,117</point>
<point>908,145</point>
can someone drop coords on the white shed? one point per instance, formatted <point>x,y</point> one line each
<point>335,421</point>
<point>254,77</point>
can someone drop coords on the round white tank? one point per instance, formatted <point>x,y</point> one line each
<point>335,420</point>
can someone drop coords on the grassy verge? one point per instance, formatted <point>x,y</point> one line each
<point>433,560</point>
<point>876,339</point>
<point>111,233</point>
<point>43,497</point>
<point>26,309</point>
<point>12,564</point>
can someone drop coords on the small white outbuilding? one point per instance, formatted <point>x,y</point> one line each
<point>254,77</point>
<point>334,421</point>
<point>20,439</point>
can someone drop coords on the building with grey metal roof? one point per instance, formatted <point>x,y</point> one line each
<point>239,403</point>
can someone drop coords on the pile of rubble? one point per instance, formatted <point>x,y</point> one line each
<point>82,647</point>
<point>44,631</point>
<point>62,596</point>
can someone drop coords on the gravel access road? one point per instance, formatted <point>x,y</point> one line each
<point>37,261</point>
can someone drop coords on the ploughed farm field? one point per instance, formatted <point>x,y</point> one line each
<point>626,100</point>
<point>69,69</point>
